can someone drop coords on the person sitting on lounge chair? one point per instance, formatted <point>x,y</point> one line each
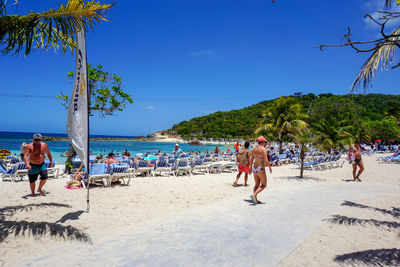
<point>110,159</point>
<point>98,159</point>
<point>77,177</point>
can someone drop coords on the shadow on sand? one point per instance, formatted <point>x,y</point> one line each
<point>251,202</point>
<point>339,219</point>
<point>297,178</point>
<point>375,257</point>
<point>71,216</point>
<point>395,212</point>
<point>39,229</point>
<point>348,180</point>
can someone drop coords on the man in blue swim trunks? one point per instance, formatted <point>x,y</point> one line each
<point>34,159</point>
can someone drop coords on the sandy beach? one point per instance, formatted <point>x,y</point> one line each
<point>323,219</point>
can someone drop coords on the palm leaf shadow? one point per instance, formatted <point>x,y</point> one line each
<point>374,257</point>
<point>395,212</point>
<point>22,228</point>
<point>339,219</point>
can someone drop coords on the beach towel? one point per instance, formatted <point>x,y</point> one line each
<point>72,188</point>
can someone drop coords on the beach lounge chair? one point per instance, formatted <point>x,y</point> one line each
<point>216,157</point>
<point>198,166</point>
<point>53,171</point>
<point>229,167</point>
<point>171,163</point>
<point>215,167</point>
<point>98,171</point>
<point>76,163</point>
<point>162,167</point>
<point>183,167</point>
<point>18,170</point>
<point>143,167</point>
<point>119,171</point>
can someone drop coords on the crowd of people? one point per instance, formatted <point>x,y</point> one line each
<point>250,160</point>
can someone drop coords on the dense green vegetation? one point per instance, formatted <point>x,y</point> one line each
<point>365,117</point>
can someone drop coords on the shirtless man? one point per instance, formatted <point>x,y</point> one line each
<point>258,160</point>
<point>356,150</point>
<point>34,160</point>
<point>110,159</point>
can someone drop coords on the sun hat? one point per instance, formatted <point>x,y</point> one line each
<point>37,136</point>
<point>176,144</point>
<point>24,144</point>
<point>261,139</point>
<point>99,156</point>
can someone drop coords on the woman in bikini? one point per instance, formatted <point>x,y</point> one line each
<point>258,160</point>
<point>356,150</point>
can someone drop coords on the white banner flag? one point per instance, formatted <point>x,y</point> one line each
<point>77,120</point>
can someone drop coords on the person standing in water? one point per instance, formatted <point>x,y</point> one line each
<point>258,160</point>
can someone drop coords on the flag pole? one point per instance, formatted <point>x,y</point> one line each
<point>88,131</point>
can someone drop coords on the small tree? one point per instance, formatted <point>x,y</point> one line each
<point>282,118</point>
<point>331,135</point>
<point>302,138</point>
<point>105,96</point>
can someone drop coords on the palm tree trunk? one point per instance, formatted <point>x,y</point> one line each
<point>280,146</point>
<point>302,156</point>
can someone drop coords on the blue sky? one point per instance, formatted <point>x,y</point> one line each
<point>181,59</point>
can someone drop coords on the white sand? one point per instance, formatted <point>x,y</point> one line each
<point>146,223</point>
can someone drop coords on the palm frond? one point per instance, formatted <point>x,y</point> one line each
<point>3,9</point>
<point>50,29</point>
<point>76,15</point>
<point>384,54</point>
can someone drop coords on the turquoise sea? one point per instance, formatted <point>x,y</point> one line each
<point>13,140</point>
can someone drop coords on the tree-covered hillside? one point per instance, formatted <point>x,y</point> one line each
<point>357,110</point>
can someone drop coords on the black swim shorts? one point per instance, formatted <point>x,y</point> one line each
<point>43,172</point>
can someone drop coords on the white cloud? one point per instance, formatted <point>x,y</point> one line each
<point>201,53</point>
<point>150,108</point>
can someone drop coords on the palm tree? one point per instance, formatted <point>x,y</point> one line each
<point>303,138</point>
<point>330,135</point>
<point>282,118</point>
<point>54,28</point>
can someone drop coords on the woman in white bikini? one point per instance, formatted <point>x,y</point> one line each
<point>258,160</point>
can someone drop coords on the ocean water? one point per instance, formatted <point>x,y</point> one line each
<point>13,140</point>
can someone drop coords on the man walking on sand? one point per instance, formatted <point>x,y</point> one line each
<point>356,151</point>
<point>34,159</point>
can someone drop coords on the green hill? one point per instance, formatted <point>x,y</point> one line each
<point>242,123</point>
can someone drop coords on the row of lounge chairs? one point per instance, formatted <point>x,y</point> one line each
<point>106,174</point>
<point>390,159</point>
<point>18,170</point>
<point>322,163</point>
